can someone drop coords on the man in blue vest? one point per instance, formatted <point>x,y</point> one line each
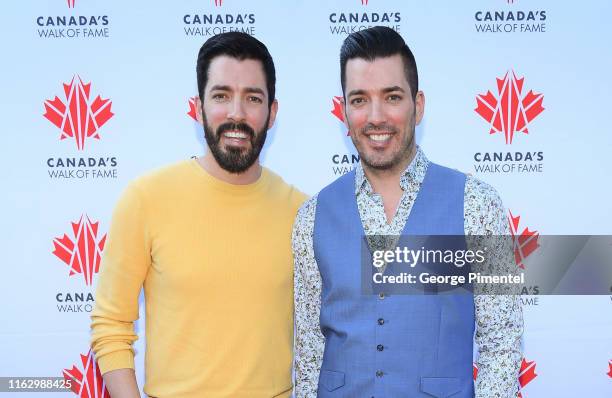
<point>350,344</point>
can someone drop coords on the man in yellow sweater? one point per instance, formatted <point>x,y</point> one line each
<point>210,242</point>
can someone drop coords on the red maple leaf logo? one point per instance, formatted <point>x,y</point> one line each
<point>84,252</point>
<point>525,242</point>
<point>78,117</point>
<point>337,110</point>
<point>218,3</point>
<point>364,2</point>
<point>70,3</point>
<point>86,382</point>
<point>509,112</point>
<point>610,372</point>
<point>192,108</point>
<point>526,373</point>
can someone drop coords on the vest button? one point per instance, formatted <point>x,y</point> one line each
<point>380,347</point>
<point>379,373</point>
<point>381,321</point>
<point>381,295</point>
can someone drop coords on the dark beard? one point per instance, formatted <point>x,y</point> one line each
<point>235,160</point>
<point>389,164</point>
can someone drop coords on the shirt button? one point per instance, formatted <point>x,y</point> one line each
<point>379,373</point>
<point>381,321</point>
<point>381,296</point>
<point>380,347</point>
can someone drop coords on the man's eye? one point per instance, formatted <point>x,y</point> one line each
<point>219,97</point>
<point>256,100</point>
<point>394,98</point>
<point>357,101</point>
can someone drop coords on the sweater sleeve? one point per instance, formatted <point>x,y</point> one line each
<point>125,262</point>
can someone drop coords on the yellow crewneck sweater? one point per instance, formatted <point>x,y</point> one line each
<point>215,262</point>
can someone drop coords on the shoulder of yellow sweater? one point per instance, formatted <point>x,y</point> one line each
<point>295,196</point>
<point>164,178</point>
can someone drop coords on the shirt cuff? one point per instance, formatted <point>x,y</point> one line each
<point>116,360</point>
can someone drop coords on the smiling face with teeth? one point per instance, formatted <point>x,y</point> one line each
<point>381,113</point>
<point>235,112</point>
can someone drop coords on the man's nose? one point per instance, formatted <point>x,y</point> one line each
<point>376,115</point>
<point>237,110</point>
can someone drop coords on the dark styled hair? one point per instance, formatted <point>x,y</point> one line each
<point>378,42</point>
<point>240,46</point>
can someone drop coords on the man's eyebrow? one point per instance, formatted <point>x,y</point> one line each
<point>220,88</point>
<point>384,91</point>
<point>356,92</point>
<point>255,90</point>
<point>391,89</point>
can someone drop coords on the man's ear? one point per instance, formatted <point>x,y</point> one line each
<point>199,114</point>
<point>419,104</point>
<point>344,115</point>
<point>273,111</point>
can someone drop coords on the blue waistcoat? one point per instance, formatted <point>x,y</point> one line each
<point>391,346</point>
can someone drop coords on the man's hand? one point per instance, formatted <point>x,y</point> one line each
<point>121,383</point>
